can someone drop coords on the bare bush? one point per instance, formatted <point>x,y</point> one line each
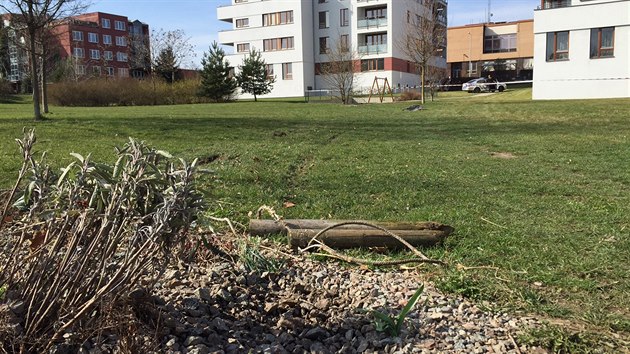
<point>124,92</point>
<point>75,243</point>
<point>410,96</point>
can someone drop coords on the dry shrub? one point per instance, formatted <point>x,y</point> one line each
<point>80,241</point>
<point>410,96</point>
<point>124,92</point>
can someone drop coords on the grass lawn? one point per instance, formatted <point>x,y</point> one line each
<point>538,192</point>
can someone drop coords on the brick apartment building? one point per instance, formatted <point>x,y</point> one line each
<point>97,44</point>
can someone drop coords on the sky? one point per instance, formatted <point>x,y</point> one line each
<point>198,18</point>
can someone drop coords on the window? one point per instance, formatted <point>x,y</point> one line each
<point>107,39</point>
<point>602,42</point>
<point>78,53</point>
<point>108,55</point>
<point>373,64</point>
<point>80,70</point>
<point>376,39</point>
<point>121,56</point>
<point>92,37</point>
<point>323,45</point>
<point>278,18</point>
<point>96,70</point>
<point>557,46</point>
<point>95,54</point>
<point>269,70</point>
<point>121,41</point>
<point>77,35</point>
<point>287,71</point>
<point>242,47</point>
<point>242,22</point>
<point>119,25</point>
<point>272,44</point>
<point>552,4</point>
<point>345,42</point>
<point>321,1</point>
<point>105,23</point>
<point>344,18</point>
<point>500,43</point>
<point>374,13</point>
<point>123,72</point>
<point>110,71</point>
<point>323,19</point>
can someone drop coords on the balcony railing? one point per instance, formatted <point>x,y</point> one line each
<point>554,4</point>
<point>371,22</point>
<point>373,49</point>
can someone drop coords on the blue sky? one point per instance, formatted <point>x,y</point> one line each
<point>198,17</point>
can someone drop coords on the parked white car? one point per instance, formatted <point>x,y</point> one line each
<point>483,85</point>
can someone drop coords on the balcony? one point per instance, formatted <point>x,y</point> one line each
<point>372,22</point>
<point>373,49</point>
<point>554,4</point>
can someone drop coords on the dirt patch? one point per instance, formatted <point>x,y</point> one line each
<point>503,155</point>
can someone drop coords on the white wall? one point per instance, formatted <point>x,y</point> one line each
<point>579,76</point>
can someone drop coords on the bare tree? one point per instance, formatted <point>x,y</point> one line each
<point>170,50</point>
<point>424,37</point>
<point>33,17</point>
<point>340,69</point>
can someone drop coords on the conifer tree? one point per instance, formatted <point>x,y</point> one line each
<point>216,81</point>
<point>253,76</point>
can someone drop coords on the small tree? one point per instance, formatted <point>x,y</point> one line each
<point>423,37</point>
<point>170,50</point>
<point>166,65</point>
<point>253,76</point>
<point>217,81</point>
<point>339,71</point>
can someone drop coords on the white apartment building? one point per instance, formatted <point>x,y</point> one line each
<point>582,49</point>
<point>295,36</point>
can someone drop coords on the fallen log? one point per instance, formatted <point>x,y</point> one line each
<point>301,231</point>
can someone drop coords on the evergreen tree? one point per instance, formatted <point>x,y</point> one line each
<point>166,64</point>
<point>216,81</point>
<point>253,77</point>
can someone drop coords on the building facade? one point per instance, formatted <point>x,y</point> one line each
<point>92,44</point>
<point>504,50</point>
<point>582,49</point>
<point>296,37</point>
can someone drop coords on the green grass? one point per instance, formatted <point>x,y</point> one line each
<point>553,220</point>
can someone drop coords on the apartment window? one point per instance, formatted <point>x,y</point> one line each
<point>373,64</point>
<point>108,55</point>
<point>374,13</point>
<point>123,72</point>
<point>121,41</point>
<point>602,42</point>
<point>278,18</point>
<point>121,56</point>
<point>107,39</point>
<point>95,54</point>
<point>552,4</point>
<point>376,39</point>
<point>344,17</point>
<point>119,25</point>
<point>110,71</point>
<point>78,53</point>
<point>242,47</point>
<point>323,45</point>
<point>287,71</point>
<point>272,44</point>
<point>344,40</point>
<point>96,70</point>
<point>500,43</point>
<point>558,46</point>
<point>77,35</point>
<point>105,23</point>
<point>323,19</point>
<point>269,70</point>
<point>80,70</point>
<point>242,22</point>
<point>92,37</point>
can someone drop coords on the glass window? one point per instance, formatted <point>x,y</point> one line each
<point>78,52</point>
<point>602,42</point>
<point>77,35</point>
<point>373,64</point>
<point>108,55</point>
<point>105,23</point>
<point>95,54</point>
<point>123,72</point>
<point>121,41</point>
<point>121,56</point>
<point>107,39</point>
<point>242,47</point>
<point>345,42</point>
<point>287,71</point>
<point>344,17</point>
<point>92,37</point>
<point>242,22</point>
<point>558,46</point>
<point>110,71</point>
<point>269,70</point>
<point>323,19</point>
<point>120,25</point>
<point>323,45</point>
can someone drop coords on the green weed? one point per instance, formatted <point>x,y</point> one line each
<point>393,324</point>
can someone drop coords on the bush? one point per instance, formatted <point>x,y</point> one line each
<point>124,92</point>
<point>410,96</point>
<point>77,244</point>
